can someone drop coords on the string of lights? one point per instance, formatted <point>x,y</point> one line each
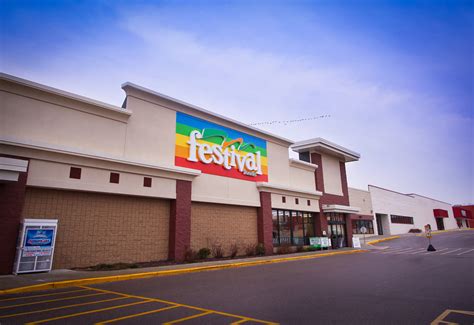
<point>285,122</point>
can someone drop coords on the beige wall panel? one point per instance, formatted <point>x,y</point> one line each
<point>290,203</point>
<point>361,199</point>
<point>56,175</point>
<point>278,164</point>
<point>150,133</point>
<point>225,190</point>
<point>26,119</point>
<point>302,179</point>
<point>102,228</point>
<point>222,224</point>
<point>331,175</point>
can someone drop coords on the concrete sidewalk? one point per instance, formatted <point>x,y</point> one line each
<point>8,282</point>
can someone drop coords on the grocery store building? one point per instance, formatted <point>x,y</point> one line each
<point>156,177</point>
<point>389,212</point>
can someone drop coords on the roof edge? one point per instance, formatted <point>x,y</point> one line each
<point>63,93</point>
<point>130,85</point>
<point>350,155</point>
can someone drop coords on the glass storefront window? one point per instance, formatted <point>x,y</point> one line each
<point>292,227</point>
<point>357,224</point>
<point>297,227</point>
<point>308,221</point>
<point>275,227</point>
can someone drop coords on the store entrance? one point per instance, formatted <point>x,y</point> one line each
<point>440,223</point>
<point>337,230</point>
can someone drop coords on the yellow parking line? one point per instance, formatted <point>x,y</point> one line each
<point>62,307</point>
<point>181,305</point>
<point>243,320</point>
<point>48,294</point>
<point>137,315</point>
<point>188,318</point>
<point>88,312</point>
<point>440,318</point>
<point>51,300</point>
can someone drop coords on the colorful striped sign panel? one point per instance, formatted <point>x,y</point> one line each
<point>218,150</point>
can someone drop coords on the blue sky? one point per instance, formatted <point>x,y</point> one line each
<point>396,77</point>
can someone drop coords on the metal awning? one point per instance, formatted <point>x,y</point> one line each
<point>339,208</point>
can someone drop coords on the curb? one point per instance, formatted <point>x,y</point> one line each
<point>382,240</point>
<point>113,278</point>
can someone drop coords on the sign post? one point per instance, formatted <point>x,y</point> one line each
<point>428,235</point>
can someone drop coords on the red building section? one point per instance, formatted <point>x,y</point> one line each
<point>464,213</point>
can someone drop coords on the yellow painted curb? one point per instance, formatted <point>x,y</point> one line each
<point>113,278</point>
<point>381,240</point>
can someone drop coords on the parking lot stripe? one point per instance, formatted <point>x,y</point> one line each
<point>88,312</point>
<point>438,251</point>
<point>188,318</point>
<point>408,251</point>
<point>465,252</point>
<point>397,250</point>
<point>45,295</point>
<point>137,315</point>
<point>51,300</point>
<point>419,251</point>
<point>451,251</point>
<point>61,307</point>
<point>181,305</point>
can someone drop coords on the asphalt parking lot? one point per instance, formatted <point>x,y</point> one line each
<point>391,286</point>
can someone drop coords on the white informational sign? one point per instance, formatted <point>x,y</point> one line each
<point>356,242</point>
<point>315,241</point>
<point>324,242</point>
<point>329,242</point>
<point>35,248</point>
<point>363,230</point>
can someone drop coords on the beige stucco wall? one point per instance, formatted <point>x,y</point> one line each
<point>290,203</point>
<point>143,133</point>
<point>56,175</point>
<point>278,165</point>
<point>361,199</point>
<point>219,224</point>
<point>302,178</point>
<point>150,133</point>
<point>331,175</point>
<point>98,228</point>
<point>48,119</point>
<point>225,190</point>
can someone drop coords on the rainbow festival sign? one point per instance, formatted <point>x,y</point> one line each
<point>218,150</point>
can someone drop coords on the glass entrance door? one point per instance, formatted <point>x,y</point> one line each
<point>337,230</point>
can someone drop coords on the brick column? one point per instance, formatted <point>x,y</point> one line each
<point>180,222</point>
<point>321,224</point>
<point>265,223</point>
<point>12,196</point>
<point>349,229</point>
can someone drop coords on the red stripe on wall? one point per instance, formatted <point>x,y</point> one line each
<point>440,213</point>
<point>218,170</point>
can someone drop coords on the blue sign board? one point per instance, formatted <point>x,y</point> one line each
<point>39,237</point>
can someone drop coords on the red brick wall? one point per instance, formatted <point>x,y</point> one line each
<point>319,180</point>
<point>12,195</point>
<point>180,221</point>
<point>264,222</point>
<point>321,221</point>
